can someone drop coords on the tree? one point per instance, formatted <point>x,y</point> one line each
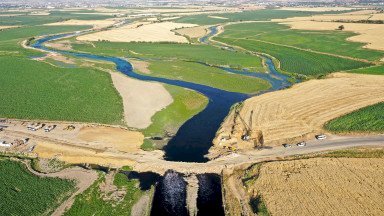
<point>341,28</point>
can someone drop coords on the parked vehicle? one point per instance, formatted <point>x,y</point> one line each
<point>287,145</point>
<point>321,137</point>
<point>301,144</point>
<point>49,128</point>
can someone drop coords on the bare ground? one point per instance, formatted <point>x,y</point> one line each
<point>141,100</point>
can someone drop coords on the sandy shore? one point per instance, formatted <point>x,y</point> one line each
<point>141,99</point>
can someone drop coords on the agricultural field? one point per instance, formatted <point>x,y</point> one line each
<point>296,113</point>
<point>107,196</point>
<point>366,24</point>
<point>188,52</point>
<point>320,186</point>
<point>140,32</point>
<point>367,119</point>
<point>375,70</point>
<point>20,188</point>
<point>206,75</point>
<point>296,60</point>
<point>36,90</point>
<point>333,42</point>
<point>257,15</point>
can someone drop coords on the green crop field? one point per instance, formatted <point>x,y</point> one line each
<point>298,61</point>
<point>334,42</point>
<point>189,52</point>
<point>260,15</point>
<point>368,119</point>
<point>375,70</point>
<point>36,90</point>
<point>91,202</point>
<point>186,103</point>
<point>55,16</point>
<point>206,75</point>
<point>23,193</point>
<point>10,39</point>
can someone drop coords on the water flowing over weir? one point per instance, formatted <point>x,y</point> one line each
<point>170,196</point>
<point>209,200</point>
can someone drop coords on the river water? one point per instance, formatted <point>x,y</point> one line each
<point>194,138</point>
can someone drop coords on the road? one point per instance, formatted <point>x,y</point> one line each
<point>255,156</point>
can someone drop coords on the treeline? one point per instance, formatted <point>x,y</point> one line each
<point>361,21</point>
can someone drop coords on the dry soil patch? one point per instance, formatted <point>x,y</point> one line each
<point>141,100</point>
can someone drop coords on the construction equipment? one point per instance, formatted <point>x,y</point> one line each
<point>69,127</point>
<point>247,135</point>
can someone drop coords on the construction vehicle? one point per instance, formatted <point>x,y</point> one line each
<point>251,134</point>
<point>69,127</point>
<point>287,145</point>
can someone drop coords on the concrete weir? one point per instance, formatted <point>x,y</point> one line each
<point>192,189</point>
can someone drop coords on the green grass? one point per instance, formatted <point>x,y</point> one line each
<point>258,206</point>
<point>375,70</point>
<point>261,15</point>
<point>186,103</point>
<point>298,61</point>
<point>10,40</point>
<point>206,75</point>
<point>368,119</point>
<point>356,153</point>
<point>91,202</point>
<point>23,193</point>
<point>36,90</point>
<point>334,42</point>
<point>189,52</point>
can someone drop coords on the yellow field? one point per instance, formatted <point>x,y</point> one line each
<point>94,23</point>
<point>301,111</point>
<point>141,32</point>
<point>7,27</point>
<point>371,34</point>
<point>317,9</point>
<point>194,32</point>
<point>322,186</point>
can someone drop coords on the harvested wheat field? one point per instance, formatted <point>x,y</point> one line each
<point>141,32</point>
<point>316,9</point>
<point>95,23</point>
<point>141,100</point>
<point>370,34</point>
<point>322,186</point>
<point>7,27</point>
<point>301,111</point>
<point>194,32</point>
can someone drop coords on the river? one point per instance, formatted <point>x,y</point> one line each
<point>194,138</point>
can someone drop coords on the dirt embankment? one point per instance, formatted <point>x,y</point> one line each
<point>299,112</point>
<point>322,186</point>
